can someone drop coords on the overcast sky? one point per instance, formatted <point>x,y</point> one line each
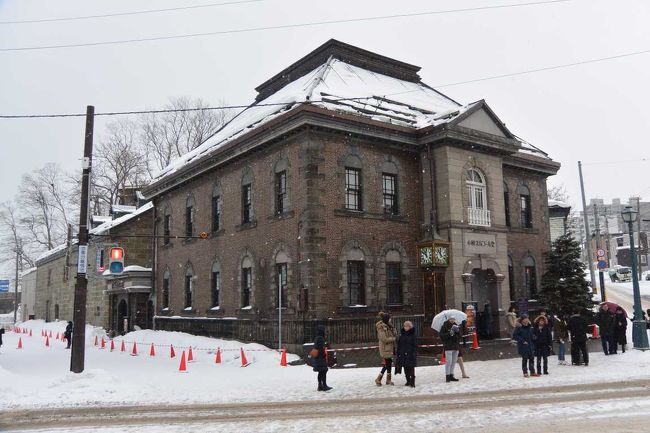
<point>596,112</point>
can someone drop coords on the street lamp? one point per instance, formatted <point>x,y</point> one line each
<point>639,333</point>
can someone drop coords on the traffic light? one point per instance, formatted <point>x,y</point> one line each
<point>116,265</point>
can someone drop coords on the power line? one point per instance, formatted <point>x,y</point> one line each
<point>119,14</point>
<point>623,161</point>
<point>280,27</point>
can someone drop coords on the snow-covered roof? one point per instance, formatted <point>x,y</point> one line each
<point>101,218</point>
<point>28,271</point>
<point>341,87</point>
<point>121,208</point>
<point>558,203</point>
<point>54,251</point>
<point>102,229</point>
<point>136,268</point>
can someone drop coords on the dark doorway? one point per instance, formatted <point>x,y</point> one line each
<point>484,289</point>
<point>433,284</point>
<point>150,311</point>
<point>122,317</point>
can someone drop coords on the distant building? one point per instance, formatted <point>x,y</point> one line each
<point>28,295</point>
<point>558,216</point>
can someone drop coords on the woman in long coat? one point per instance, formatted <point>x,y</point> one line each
<point>523,335</point>
<point>386,335</point>
<point>543,343</point>
<point>319,363</point>
<point>620,328</point>
<point>407,352</point>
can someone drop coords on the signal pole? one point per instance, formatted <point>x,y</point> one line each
<point>80,289</point>
<point>590,256</point>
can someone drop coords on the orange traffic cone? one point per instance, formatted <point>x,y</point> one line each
<point>50,333</point>
<point>283,358</point>
<point>95,341</point>
<point>103,343</point>
<point>30,332</point>
<point>122,347</point>
<point>594,332</point>
<point>190,358</point>
<point>47,341</point>
<point>20,343</point>
<point>475,341</point>
<point>134,351</point>
<point>217,359</point>
<point>112,345</point>
<point>244,361</point>
<point>171,351</point>
<point>183,367</point>
<point>443,360</point>
<point>152,351</point>
<point>42,333</point>
<point>58,336</point>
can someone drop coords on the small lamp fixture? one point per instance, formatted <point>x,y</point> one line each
<point>629,214</point>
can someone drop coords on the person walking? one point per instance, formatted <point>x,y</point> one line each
<point>561,335</point>
<point>450,335</point>
<point>511,320</point>
<point>319,360</point>
<point>577,327</point>
<point>407,352</point>
<point>620,329</point>
<point>605,321</point>
<point>2,331</point>
<point>386,335</point>
<point>525,345</point>
<point>68,334</point>
<point>543,341</point>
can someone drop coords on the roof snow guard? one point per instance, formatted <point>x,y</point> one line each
<point>347,53</point>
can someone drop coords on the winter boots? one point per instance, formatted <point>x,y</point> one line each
<point>388,379</point>
<point>451,378</point>
<point>378,380</point>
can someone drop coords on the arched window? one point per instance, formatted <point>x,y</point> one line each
<point>506,203</point>
<point>247,197</point>
<point>215,283</point>
<point>189,287</point>
<point>246,282</point>
<point>390,202</point>
<point>165,289</point>
<point>353,183</point>
<point>216,208</point>
<point>526,213</point>
<point>394,277</point>
<point>356,277</point>
<point>281,276</point>
<point>280,186</point>
<point>511,278</point>
<point>475,189</point>
<point>189,217</point>
<point>167,225</point>
<point>530,277</point>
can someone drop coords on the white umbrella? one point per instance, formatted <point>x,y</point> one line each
<point>445,315</point>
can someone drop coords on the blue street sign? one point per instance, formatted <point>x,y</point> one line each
<point>4,285</point>
<point>602,264</point>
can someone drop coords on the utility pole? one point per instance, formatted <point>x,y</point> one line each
<point>601,274</point>
<point>80,289</point>
<point>590,256</point>
<point>18,248</point>
<point>638,230</point>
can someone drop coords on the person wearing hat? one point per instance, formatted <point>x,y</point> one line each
<point>450,335</point>
<point>543,343</point>
<point>386,335</point>
<point>620,329</point>
<point>523,335</point>
<point>407,352</point>
<point>577,327</point>
<point>319,362</point>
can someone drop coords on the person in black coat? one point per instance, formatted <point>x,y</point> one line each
<point>450,335</point>
<point>543,342</point>
<point>407,352</point>
<point>620,329</point>
<point>577,327</point>
<point>68,334</point>
<point>2,331</point>
<point>319,363</point>
<point>523,335</point>
<point>605,321</point>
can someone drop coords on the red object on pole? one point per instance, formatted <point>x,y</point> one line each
<point>443,360</point>
<point>217,359</point>
<point>47,341</point>
<point>134,351</point>
<point>152,351</point>
<point>95,341</point>
<point>244,361</point>
<point>122,348</point>
<point>103,343</point>
<point>594,332</point>
<point>172,354</point>
<point>182,368</point>
<point>283,358</point>
<point>20,343</point>
<point>190,358</point>
<point>112,345</point>
<point>475,345</point>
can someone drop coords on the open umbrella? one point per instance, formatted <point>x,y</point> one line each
<point>445,315</point>
<point>613,306</point>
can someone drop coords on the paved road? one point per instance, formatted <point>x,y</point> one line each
<point>621,294</point>
<point>439,412</point>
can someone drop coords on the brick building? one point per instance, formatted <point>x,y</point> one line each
<point>348,187</point>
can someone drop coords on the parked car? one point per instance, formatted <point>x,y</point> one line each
<point>620,273</point>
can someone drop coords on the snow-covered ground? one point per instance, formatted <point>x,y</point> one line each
<point>37,377</point>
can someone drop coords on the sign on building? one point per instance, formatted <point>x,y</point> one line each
<point>478,243</point>
<point>4,285</point>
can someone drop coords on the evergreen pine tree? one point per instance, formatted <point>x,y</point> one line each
<point>564,286</point>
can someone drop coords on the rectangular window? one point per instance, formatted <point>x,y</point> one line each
<point>389,182</point>
<point>620,242</point>
<point>356,283</point>
<point>216,213</point>
<point>506,202</point>
<point>281,276</point>
<point>246,202</point>
<point>189,221</point>
<point>353,189</point>
<point>166,229</point>
<point>246,285</point>
<point>394,283</point>
<point>526,220</point>
<point>165,293</point>
<point>530,281</point>
<point>188,291</point>
<point>216,287</point>
<point>281,197</point>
